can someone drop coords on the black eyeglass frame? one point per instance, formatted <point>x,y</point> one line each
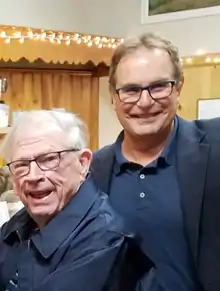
<point>148,88</point>
<point>38,164</point>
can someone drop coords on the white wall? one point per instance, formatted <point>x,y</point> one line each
<point>64,15</point>
<point>123,18</point>
<point>119,18</point>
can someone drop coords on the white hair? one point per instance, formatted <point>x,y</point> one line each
<point>74,128</point>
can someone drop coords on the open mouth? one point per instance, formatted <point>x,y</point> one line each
<point>40,195</point>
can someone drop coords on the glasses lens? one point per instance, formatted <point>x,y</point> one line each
<point>19,168</point>
<point>129,94</point>
<point>162,90</point>
<point>48,161</point>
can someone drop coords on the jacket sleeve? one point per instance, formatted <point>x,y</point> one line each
<point>96,271</point>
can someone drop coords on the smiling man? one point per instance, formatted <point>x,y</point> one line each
<point>67,237</point>
<point>161,174</point>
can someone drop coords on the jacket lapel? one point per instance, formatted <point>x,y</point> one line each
<point>103,160</point>
<point>192,157</point>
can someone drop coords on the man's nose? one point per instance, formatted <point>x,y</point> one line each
<point>35,172</point>
<point>145,99</point>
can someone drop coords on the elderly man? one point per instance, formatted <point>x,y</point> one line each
<point>167,169</point>
<point>67,237</point>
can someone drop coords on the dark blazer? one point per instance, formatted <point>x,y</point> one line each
<point>82,248</point>
<point>198,162</point>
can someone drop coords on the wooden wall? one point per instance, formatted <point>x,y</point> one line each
<point>77,92</point>
<point>201,82</point>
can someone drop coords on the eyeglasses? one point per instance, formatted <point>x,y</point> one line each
<point>45,162</point>
<point>157,91</point>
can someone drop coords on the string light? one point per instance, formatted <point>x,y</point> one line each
<point>200,60</point>
<point>9,34</point>
<point>208,60</point>
<point>216,60</point>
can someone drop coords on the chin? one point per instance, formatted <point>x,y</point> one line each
<point>141,134</point>
<point>145,130</point>
<point>42,213</point>
<point>42,219</point>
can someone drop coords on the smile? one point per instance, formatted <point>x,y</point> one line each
<point>145,116</point>
<point>40,195</point>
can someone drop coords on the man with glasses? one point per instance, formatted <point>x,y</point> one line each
<point>67,237</point>
<point>161,174</point>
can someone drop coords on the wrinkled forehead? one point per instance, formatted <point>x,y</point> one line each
<point>30,142</point>
<point>144,65</point>
<point>147,55</point>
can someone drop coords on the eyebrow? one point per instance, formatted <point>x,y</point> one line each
<point>160,81</point>
<point>22,158</point>
<point>150,84</point>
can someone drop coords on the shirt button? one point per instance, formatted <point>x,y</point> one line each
<point>142,176</point>
<point>142,194</point>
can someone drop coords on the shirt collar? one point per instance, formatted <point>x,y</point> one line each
<point>165,157</point>
<point>120,161</point>
<point>20,227</point>
<point>169,149</point>
<point>61,226</point>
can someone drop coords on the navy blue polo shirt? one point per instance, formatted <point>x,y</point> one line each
<point>149,200</point>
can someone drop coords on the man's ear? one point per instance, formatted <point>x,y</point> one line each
<point>180,85</point>
<point>112,95</point>
<point>85,160</point>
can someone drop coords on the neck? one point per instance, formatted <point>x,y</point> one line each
<point>145,149</point>
<point>42,222</point>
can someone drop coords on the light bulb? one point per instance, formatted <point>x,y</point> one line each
<point>7,40</point>
<point>3,34</point>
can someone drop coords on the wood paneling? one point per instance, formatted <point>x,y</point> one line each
<point>201,82</point>
<point>76,92</point>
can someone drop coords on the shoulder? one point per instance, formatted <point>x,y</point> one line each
<point>101,229</point>
<point>208,124</point>
<point>16,222</point>
<point>105,221</point>
<point>102,166</point>
<point>106,217</point>
<point>203,124</point>
<point>211,127</point>
<point>200,129</point>
<point>103,153</point>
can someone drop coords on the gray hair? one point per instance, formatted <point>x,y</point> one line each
<point>75,129</point>
<point>148,41</point>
